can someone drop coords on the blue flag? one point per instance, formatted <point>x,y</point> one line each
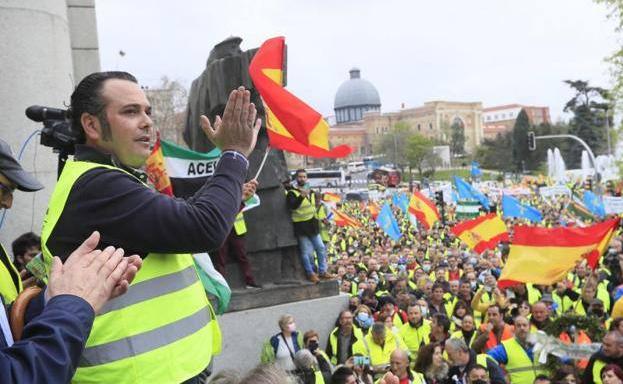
<point>388,223</point>
<point>511,207</point>
<point>467,192</point>
<point>476,172</point>
<point>401,200</point>
<point>595,204</point>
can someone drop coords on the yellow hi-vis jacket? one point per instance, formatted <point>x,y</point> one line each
<point>163,330</point>
<point>307,209</point>
<point>10,281</point>
<point>520,369</point>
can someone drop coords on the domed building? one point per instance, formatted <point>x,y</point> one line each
<point>354,97</point>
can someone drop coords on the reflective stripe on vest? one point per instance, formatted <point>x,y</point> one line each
<point>307,210</point>
<point>10,282</point>
<point>240,226</point>
<point>162,330</point>
<point>519,366</point>
<point>597,367</point>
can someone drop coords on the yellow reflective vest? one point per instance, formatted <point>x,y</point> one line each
<point>162,330</point>
<point>415,337</point>
<point>598,365</point>
<point>520,368</point>
<point>379,355</point>
<point>307,210</point>
<point>240,226</point>
<point>10,281</point>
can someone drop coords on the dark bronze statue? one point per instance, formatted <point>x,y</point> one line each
<point>271,244</point>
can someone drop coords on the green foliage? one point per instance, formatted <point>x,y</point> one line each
<point>420,154</point>
<point>394,144</point>
<point>589,107</point>
<point>615,8</point>
<point>494,153</point>
<point>519,141</point>
<point>457,137</point>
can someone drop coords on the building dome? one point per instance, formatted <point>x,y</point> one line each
<point>354,97</point>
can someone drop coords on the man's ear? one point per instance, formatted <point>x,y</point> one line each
<point>91,126</point>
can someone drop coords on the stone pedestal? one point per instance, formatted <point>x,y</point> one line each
<point>245,331</point>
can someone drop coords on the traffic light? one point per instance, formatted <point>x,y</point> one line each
<point>531,141</point>
<point>439,198</point>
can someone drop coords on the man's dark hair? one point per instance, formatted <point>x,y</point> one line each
<point>477,366</point>
<point>21,244</point>
<point>341,375</point>
<point>442,321</point>
<point>87,97</point>
<point>542,377</point>
<point>300,170</point>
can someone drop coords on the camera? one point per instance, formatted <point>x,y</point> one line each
<point>361,360</point>
<point>57,131</point>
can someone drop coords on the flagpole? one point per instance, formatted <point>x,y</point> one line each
<point>262,163</point>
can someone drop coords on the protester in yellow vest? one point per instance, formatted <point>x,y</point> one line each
<point>517,355</point>
<point>12,177</point>
<point>235,244</point>
<point>378,345</point>
<point>399,371</point>
<point>164,329</point>
<point>611,352</point>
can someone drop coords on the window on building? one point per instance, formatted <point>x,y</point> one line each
<point>430,126</point>
<point>419,128</point>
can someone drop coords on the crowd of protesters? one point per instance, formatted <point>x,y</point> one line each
<point>425,308</point>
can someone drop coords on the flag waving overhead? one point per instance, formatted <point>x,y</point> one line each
<point>595,204</point>
<point>424,210</point>
<point>468,192</point>
<point>552,251</point>
<point>511,207</point>
<point>291,124</point>
<point>343,220</point>
<point>374,209</point>
<point>387,222</point>
<point>482,233</point>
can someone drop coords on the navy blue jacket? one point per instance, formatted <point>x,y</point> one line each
<point>51,344</point>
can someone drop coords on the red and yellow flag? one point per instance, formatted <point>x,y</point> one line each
<point>481,233</point>
<point>291,124</point>
<point>424,210</point>
<point>157,171</point>
<point>545,255</point>
<point>374,209</point>
<point>331,197</point>
<point>343,220</point>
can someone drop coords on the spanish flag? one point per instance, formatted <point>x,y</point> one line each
<point>331,197</point>
<point>343,220</point>
<point>545,255</point>
<point>481,233</point>
<point>291,124</point>
<point>424,210</point>
<point>374,209</point>
<point>157,171</point>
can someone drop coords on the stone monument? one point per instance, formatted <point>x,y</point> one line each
<point>271,245</point>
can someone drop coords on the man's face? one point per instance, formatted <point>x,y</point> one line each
<point>346,320</point>
<point>301,179</point>
<point>414,315</point>
<point>467,324</point>
<point>438,294</point>
<point>457,357</point>
<point>128,114</point>
<point>454,287</point>
<point>465,289</point>
<point>609,346</point>
<point>6,192</point>
<point>477,374</point>
<point>522,328</point>
<point>540,312</point>
<point>30,253</point>
<point>399,364</point>
<point>494,316</point>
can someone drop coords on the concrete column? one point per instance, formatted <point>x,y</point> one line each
<point>83,37</point>
<point>36,68</point>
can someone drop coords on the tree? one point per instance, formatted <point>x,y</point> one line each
<point>420,154</point>
<point>519,141</point>
<point>168,103</point>
<point>589,118</point>
<point>457,137</point>
<point>394,144</point>
<point>493,153</point>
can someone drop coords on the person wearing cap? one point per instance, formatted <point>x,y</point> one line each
<point>12,177</point>
<point>165,328</point>
<point>51,343</point>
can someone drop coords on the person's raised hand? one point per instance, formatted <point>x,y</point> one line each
<point>389,378</point>
<point>91,274</point>
<point>238,129</point>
